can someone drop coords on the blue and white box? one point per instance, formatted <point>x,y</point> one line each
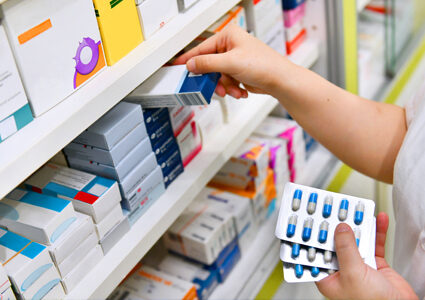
<point>154,118</point>
<point>28,265</point>
<point>15,112</point>
<point>41,218</point>
<point>164,146</point>
<point>160,134</point>
<point>171,174</point>
<point>137,196</point>
<point>108,157</point>
<point>91,195</point>
<point>118,172</point>
<point>226,261</point>
<point>106,132</point>
<point>171,165</point>
<point>175,86</point>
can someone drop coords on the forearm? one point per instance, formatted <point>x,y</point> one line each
<point>364,134</point>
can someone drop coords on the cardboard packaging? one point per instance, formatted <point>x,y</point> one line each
<point>295,36</point>
<point>15,112</point>
<point>28,265</point>
<point>180,116</point>
<point>265,19</point>
<point>82,269</point>
<point>65,245</point>
<point>154,14</point>
<point>118,172</point>
<point>205,280</point>
<point>108,157</point>
<point>292,16</point>
<point>209,119</point>
<point>106,132</point>
<point>151,284</point>
<point>175,86</point>
<point>226,261</point>
<point>119,26</point>
<point>171,173</point>
<point>114,235</point>
<point>160,135</point>
<point>190,142</point>
<point>8,294</point>
<point>185,4</point>
<point>38,217</point>
<point>234,16</point>
<point>110,221</point>
<point>74,55</point>
<point>4,280</point>
<point>90,194</point>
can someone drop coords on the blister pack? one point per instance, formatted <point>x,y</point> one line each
<point>309,216</point>
<point>308,256</point>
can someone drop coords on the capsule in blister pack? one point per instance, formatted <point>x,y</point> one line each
<point>309,216</point>
<point>302,273</point>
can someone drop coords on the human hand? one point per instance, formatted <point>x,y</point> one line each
<point>355,279</point>
<point>241,58</point>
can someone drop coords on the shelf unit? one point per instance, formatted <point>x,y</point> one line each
<point>27,150</point>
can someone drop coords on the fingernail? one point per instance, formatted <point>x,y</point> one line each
<point>191,65</point>
<point>343,227</point>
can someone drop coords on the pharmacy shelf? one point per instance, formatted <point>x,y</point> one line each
<point>101,281</point>
<point>27,150</point>
<point>306,54</point>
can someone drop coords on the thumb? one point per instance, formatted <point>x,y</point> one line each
<point>348,255</point>
<point>209,63</point>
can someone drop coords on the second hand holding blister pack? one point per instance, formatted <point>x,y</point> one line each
<point>306,225</point>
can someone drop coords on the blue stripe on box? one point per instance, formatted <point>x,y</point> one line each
<point>16,242</point>
<point>23,117</point>
<point>45,201</point>
<point>55,189</point>
<point>33,250</point>
<point>205,84</point>
<point>101,181</point>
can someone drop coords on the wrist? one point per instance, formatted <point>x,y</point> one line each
<point>283,79</point>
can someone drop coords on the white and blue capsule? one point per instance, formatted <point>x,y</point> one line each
<point>295,250</point>
<point>315,271</point>
<point>323,232</point>
<point>343,210</point>
<point>327,206</point>
<point>357,234</point>
<point>312,202</point>
<point>359,213</point>
<point>311,254</point>
<point>327,256</point>
<point>292,224</point>
<point>299,271</point>
<point>296,200</point>
<point>308,228</point>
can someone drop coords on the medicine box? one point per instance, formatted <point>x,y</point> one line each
<point>137,175</point>
<point>15,112</point>
<point>291,4</point>
<point>76,233</point>
<point>110,221</point>
<point>8,294</point>
<point>171,174</point>
<point>4,280</point>
<point>108,157</point>
<point>81,250</point>
<point>295,35</point>
<point>292,16</point>
<point>74,55</point>
<point>154,115</point>
<point>114,235</point>
<point>234,16</point>
<point>118,172</point>
<point>189,141</point>
<point>204,280</point>
<point>82,269</point>
<point>106,132</point>
<point>175,86</point>
<point>90,194</point>
<point>38,217</point>
<point>154,14</point>
<point>209,119</point>
<point>27,264</point>
<point>150,284</point>
<point>179,117</point>
<point>164,147</point>
<point>140,194</point>
<point>119,26</point>
<point>185,4</point>
<point>224,269</point>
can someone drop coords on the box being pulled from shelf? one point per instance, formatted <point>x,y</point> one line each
<point>90,194</point>
<point>112,127</point>
<point>28,265</point>
<point>151,284</point>
<point>108,157</point>
<point>15,112</point>
<point>74,54</point>
<point>175,86</point>
<point>119,26</point>
<point>41,218</point>
<point>154,14</point>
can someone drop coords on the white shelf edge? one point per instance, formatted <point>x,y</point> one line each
<point>103,278</point>
<point>27,150</point>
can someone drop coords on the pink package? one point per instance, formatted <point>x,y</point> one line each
<point>292,16</point>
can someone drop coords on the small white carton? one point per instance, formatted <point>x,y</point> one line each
<point>190,142</point>
<point>109,222</point>
<point>179,117</point>
<point>82,269</point>
<point>64,246</point>
<point>114,235</point>
<point>90,194</point>
<point>209,119</point>
<point>4,280</point>
<point>38,217</point>
<point>8,294</point>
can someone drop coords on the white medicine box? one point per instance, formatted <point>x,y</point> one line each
<point>57,47</point>
<point>15,111</point>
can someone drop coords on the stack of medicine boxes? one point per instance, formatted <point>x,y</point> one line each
<point>117,147</point>
<point>98,201</point>
<point>164,143</point>
<point>247,174</point>
<point>52,221</point>
<point>295,32</point>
